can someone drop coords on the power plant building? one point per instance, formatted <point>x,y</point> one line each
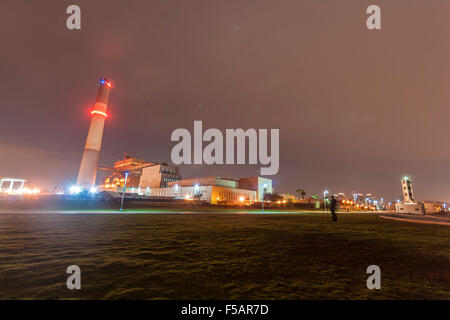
<point>158,176</point>
<point>159,180</point>
<point>260,185</point>
<point>128,164</point>
<point>213,190</point>
<point>141,174</point>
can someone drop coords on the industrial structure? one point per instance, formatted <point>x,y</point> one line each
<point>89,161</point>
<point>16,186</point>
<point>261,185</point>
<point>215,190</point>
<point>10,182</point>
<point>142,178</point>
<point>141,173</point>
<point>128,164</point>
<point>408,195</point>
<point>162,181</point>
<point>159,175</point>
<point>408,205</point>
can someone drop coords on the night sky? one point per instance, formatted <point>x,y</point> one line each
<point>357,109</point>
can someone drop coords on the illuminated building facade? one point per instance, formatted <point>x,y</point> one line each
<point>258,184</point>
<point>408,195</point>
<point>207,181</point>
<point>10,182</point>
<point>142,174</point>
<point>214,190</point>
<point>210,194</point>
<point>408,205</point>
<point>158,176</point>
<point>128,164</point>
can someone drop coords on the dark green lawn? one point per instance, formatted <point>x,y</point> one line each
<point>221,256</point>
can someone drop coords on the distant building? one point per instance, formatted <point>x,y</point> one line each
<point>408,205</point>
<point>258,184</point>
<point>214,190</point>
<point>358,198</point>
<point>13,184</point>
<point>408,195</point>
<point>141,173</point>
<point>128,164</point>
<point>288,197</point>
<point>433,207</point>
<point>411,208</point>
<point>207,181</point>
<point>160,180</point>
<point>158,176</point>
<point>131,164</point>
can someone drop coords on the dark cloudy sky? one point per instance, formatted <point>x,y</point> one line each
<point>356,109</point>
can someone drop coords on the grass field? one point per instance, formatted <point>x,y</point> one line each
<point>221,256</point>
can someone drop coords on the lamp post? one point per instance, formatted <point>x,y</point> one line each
<point>176,190</point>
<point>325,200</point>
<point>263,190</point>
<point>124,189</point>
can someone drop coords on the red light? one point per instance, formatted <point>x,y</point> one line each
<point>99,112</point>
<point>108,84</point>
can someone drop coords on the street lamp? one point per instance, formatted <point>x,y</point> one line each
<point>263,190</point>
<point>324,200</point>
<point>124,189</point>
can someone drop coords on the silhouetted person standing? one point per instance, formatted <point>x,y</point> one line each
<point>333,205</point>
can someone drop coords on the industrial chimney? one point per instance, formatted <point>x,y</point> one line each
<point>89,161</point>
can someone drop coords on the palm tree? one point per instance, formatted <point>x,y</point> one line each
<point>301,192</point>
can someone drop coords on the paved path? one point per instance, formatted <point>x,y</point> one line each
<point>441,220</point>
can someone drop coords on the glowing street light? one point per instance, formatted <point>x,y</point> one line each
<point>124,189</point>
<point>196,190</point>
<point>324,199</point>
<point>263,190</point>
<point>75,189</point>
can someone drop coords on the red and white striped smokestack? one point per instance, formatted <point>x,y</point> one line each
<point>89,161</point>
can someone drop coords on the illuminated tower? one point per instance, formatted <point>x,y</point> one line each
<point>89,161</point>
<point>408,195</point>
